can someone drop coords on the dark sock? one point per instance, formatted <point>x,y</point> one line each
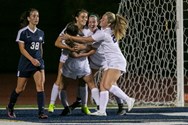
<point>40,101</point>
<point>78,99</point>
<point>97,107</point>
<point>120,106</point>
<point>13,99</point>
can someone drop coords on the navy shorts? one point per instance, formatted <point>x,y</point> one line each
<point>26,74</point>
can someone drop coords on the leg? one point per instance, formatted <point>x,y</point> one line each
<point>39,78</point>
<point>110,78</point>
<point>67,109</point>
<point>103,99</point>
<point>94,90</point>
<point>83,90</point>
<point>81,96</point>
<point>21,83</point>
<point>58,85</point>
<point>121,110</point>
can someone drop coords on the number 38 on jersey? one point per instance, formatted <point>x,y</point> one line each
<point>35,45</point>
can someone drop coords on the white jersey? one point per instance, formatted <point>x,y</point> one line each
<point>76,67</point>
<point>65,53</point>
<point>109,49</point>
<point>97,60</point>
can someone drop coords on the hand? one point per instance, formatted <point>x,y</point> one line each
<point>75,55</point>
<point>35,62</point>
<point>78,47</point>
<point>65,37</point>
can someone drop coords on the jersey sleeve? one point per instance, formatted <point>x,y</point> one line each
<point>43,39</point>
<point>98,36</point>
<point>20,36</point>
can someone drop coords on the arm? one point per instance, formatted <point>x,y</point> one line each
<point>89,53</point>
<point>34,61</point>
<point>41,49</point>
<point>79,47</point>
<point>59,44</point>
<point>77,38</point>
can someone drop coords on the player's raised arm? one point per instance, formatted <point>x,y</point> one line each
<point>77,38</point>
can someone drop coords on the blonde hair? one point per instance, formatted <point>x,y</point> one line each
<point>118,24</point>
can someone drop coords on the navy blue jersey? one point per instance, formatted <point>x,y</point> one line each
<point>33,41</point>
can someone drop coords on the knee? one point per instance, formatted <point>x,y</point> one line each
<point>40,87</point>
<point>19,90</point>
<point>104,86</point>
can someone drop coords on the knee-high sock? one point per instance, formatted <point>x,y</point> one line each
<point>40,101</point>
<point>104,97</point>
<point>64,98</point>
<point>59,93</point>
<point>119,93</point>
<point>118,100</point>
<point>54,93</point>
<point>13,99</point>
<point>84,94</point>
<point>95,95</point>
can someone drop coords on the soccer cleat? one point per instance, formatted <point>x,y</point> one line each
<point>77,103</point>
<point>10,112</point>
<point>130,103</point>
<point>42,116</point>
<point>98,113</point>
<point>121,111</point>
<point>66,111</point>
<point>85,110</point>
<point>51,108</point>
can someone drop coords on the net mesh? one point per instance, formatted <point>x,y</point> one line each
<point>150,50</point>
<point>151,53</point>
<point>185,21</point>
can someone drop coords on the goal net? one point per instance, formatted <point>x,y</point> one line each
<point>150,48</point>
<point>185,18</point>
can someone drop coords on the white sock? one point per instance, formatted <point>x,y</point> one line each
<point>119,93</point>
<point>59,93</point>
<point>104,97</point>
<point>118,100</point>
<point>95,95</point>
<point>54,93</point>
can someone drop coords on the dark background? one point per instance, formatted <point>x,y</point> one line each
<point>54,15</point>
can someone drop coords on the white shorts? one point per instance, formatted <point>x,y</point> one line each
<point>76,67</point>
<point>64,56</point>
<point>118,64</point>
<point>97,61</point>
<point>100,65</point>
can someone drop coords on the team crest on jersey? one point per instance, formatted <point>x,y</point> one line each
<point>40,38</point>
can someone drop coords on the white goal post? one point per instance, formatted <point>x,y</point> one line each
<point>153,47</point>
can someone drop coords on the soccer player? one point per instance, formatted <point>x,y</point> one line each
<point>97,63</point>
<point>31,63</point>
<point>77,68</point>
<point>80,19</point>
<point>113,29</point>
